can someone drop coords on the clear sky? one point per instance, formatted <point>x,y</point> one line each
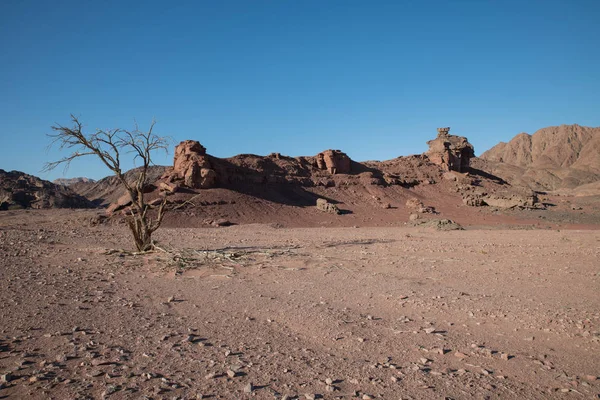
<point>372,78</point>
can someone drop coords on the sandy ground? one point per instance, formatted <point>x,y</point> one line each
<point>257,311</point>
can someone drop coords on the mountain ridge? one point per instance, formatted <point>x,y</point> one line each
<point>554,157</point>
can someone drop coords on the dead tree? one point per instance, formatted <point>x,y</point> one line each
<point>109,146</point>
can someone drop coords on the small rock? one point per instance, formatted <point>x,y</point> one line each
<point>460,355</point>
<point>171,299</point>
<point>210,375</point>
<point>429,330</point>
<point>330,388</point>
<point>231,373</point>
<point>109,390</point>
<point>6,378</point>
<point>329,381</point>
<point>248,388</point>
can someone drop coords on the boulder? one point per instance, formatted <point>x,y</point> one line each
<point>333,161</point>
<point>418,206</point>
<point>437,224</point>
<point>452,153</point>
<point>120,204</point>
<point>509,198</point>
<point>326,206</point>
<point>168,187</point>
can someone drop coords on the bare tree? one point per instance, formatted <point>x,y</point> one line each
<point>109,146</point>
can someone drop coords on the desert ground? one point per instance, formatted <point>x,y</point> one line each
<point>267,311</point>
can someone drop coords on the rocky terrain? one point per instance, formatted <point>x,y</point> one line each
<point>558,157</point>
<point>20,190</point>
<point>279,189</point>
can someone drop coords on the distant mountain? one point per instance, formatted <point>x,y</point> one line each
<point>20,190</point>
<point>555,157</point>
<point>109,189</point>
<point>72,181</point>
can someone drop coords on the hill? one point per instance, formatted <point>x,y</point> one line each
<point>72,181</point>
<point>556,157</point>
<point>20,190</point>
<point>278,189</point>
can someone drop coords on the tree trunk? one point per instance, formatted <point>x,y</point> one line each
<point>142,236</point>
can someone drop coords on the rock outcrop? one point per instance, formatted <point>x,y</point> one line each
<point>333,161</point>
<point>520,198</point>
<point>20,190</point>
<point>191,167</point>
<point>452,153</point>
<point>444,170</point>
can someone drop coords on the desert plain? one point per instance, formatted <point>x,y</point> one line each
<point>272,312</point>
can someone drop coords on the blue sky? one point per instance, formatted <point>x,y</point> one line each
<point>372,78</point>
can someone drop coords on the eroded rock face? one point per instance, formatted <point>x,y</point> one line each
<point>191,166</point>
<point>452,152</point>
<point>334,161</point>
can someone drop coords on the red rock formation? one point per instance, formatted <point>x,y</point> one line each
<point>192,166</point>
<point>334,161</point>
<point>453,153</point>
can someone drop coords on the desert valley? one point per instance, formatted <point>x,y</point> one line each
<point>440,275</point>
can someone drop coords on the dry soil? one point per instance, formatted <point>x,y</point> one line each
<point>260,311</point>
